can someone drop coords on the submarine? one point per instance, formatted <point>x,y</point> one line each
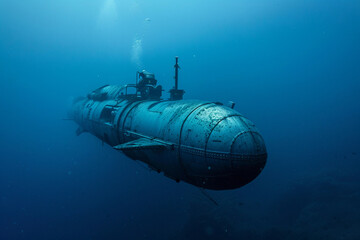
<point>206,144</point>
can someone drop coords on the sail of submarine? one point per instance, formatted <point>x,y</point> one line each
<point>203,143</point>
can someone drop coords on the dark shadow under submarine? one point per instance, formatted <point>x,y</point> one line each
<point>203,143</point>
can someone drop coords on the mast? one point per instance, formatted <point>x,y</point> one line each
<point>176,93</point>
<point>176,66</point>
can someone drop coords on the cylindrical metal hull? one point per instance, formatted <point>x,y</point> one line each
<point>203,143</point>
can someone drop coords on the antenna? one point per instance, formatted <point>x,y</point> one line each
<point>175,93</point>
<point>176,66</point>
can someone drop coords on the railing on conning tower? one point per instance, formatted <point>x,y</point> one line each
<point>145,88</point>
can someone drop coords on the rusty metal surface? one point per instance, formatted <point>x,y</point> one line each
<point>212,146</point>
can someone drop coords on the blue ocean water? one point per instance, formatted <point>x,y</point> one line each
<point>291,66</point>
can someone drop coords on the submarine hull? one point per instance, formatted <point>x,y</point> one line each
<point>203,143</point>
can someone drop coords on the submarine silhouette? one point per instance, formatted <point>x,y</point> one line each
<point>206,144</point>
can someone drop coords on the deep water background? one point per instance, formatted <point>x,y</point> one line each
<point>291,66</point>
